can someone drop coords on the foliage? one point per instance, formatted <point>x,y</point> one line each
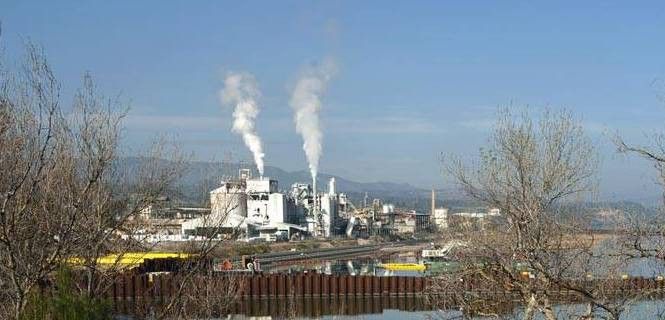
<point>64,302</point>
<point>536,172</point>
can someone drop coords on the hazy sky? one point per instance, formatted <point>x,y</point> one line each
<point>415,78</point>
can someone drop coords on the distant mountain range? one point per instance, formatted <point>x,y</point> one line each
<point>199,171</point>
<point>201,177</point>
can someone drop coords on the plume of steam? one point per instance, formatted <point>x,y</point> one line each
<point>240,90</point>
<point>306,103</point>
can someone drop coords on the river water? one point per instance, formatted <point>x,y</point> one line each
<point>410,308</point>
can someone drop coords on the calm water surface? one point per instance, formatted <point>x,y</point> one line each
<point>638,311</point>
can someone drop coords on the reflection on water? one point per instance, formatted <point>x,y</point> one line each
<point>602,266</point>
<point>354,267</point>
<point>322,307</point>
<point>408,307</point>
<point>605,265</point>
<point>413,308</point>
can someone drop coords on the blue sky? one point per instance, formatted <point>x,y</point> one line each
<point>416,78</point>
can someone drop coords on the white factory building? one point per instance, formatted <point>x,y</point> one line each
<point>440,218</point>
<point>228,210</point>
<point>256,208</point>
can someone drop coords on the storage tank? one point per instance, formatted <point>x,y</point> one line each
<point>229,199</point>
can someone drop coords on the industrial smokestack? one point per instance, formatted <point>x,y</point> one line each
<point>332,190</point>
<point>241,90</point>
<point>306,103</point>
<point>433,203</point>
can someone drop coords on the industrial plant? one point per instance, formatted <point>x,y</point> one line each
<point>251,208</point>
<point>256,208</point>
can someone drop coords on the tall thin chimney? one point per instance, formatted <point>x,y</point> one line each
<point>433,202</point>
<point>332,190</point>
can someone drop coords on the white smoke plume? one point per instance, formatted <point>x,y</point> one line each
<point>306,103</point>
<point>241,91</point>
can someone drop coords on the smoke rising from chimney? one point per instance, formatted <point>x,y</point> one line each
<point>241,90</point>
<point>306,103</point>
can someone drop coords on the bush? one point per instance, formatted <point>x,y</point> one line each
<point>63,302</point>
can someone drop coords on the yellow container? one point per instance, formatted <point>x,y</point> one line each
<point>131,259</point>
<point>403,266</point>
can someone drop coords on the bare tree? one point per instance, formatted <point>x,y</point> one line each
<point>643,239</point>
<point>39,203</point>
<point>117,227</point>
<point>214,292</point>
<point>62,195</point>
<point>532,171</point>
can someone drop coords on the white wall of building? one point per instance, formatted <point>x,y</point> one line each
<point>261,185</point>
<point>228,201</point>
<point>257,208</point>
<point>441,218</point>
<point>329,212</point>
<point>228,205</point>
<point>277,208</point>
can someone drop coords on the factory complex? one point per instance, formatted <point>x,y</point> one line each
<point>251,208</point>
<point>255,209</point>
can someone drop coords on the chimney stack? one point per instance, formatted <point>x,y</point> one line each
<point>433,202</point>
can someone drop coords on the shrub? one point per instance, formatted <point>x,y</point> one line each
<point>62,301</point>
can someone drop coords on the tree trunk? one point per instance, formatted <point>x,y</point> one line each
<point>530,310</point>
<point>19,305</point>
<point>547,310</point>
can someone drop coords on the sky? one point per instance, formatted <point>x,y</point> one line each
<point>414,78</point>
